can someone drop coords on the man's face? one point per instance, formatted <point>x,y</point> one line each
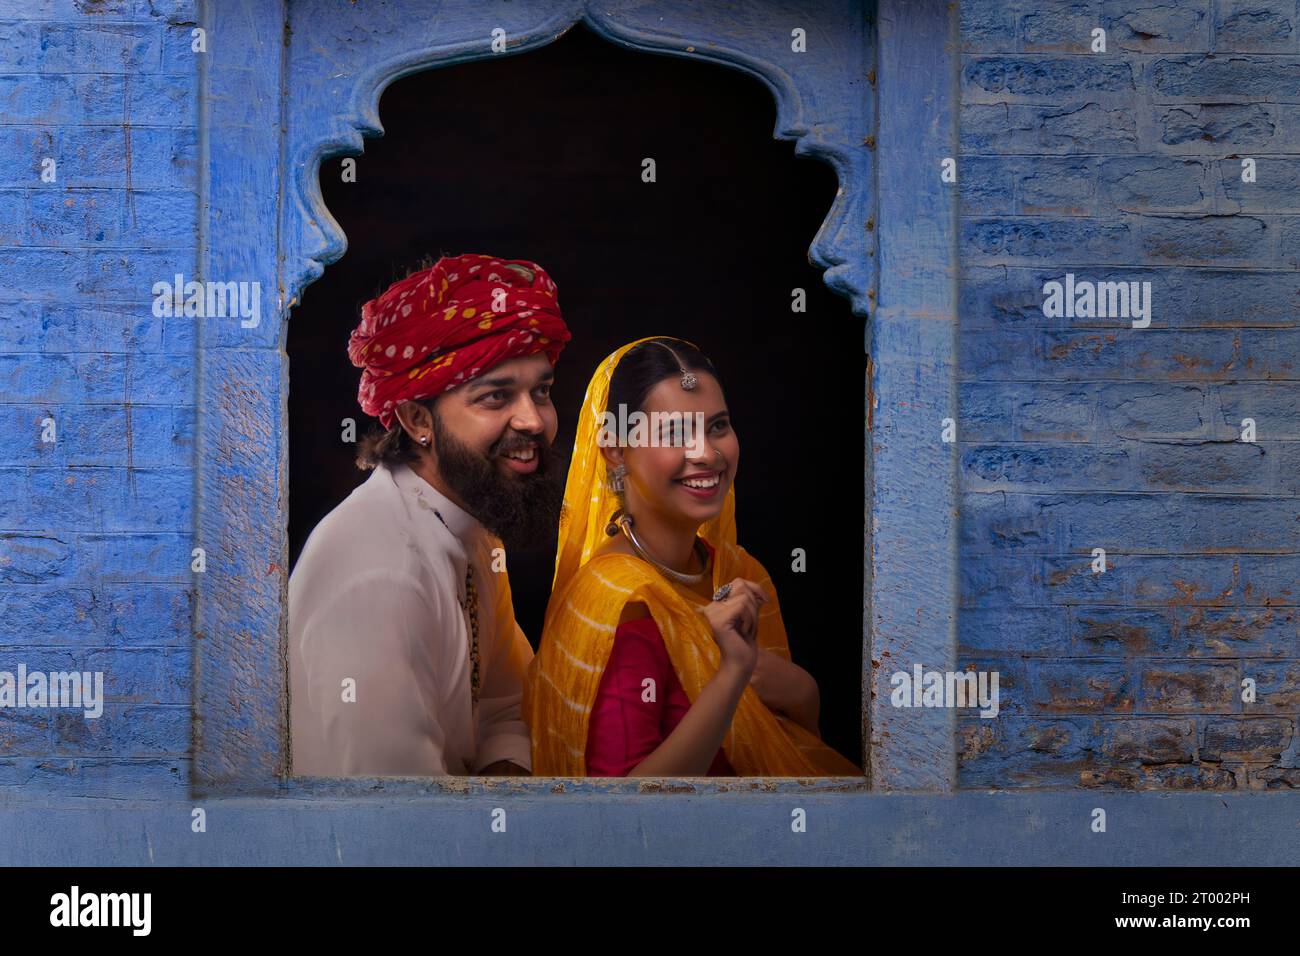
<point>505,415</point>
<point>492,441</point>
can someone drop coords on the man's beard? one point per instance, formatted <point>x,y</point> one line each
<point>521,510</point>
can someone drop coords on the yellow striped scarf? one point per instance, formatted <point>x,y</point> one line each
<point>587,599</point>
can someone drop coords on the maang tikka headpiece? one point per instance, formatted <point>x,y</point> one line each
<point>689,381</point>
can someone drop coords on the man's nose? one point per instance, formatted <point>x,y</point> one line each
<point>526,417</point>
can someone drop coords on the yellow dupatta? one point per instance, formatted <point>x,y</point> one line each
<point>587,599</point>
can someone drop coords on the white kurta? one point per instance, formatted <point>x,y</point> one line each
<point>376,596</point>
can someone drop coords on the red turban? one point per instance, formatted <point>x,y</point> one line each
<point>447,324</point>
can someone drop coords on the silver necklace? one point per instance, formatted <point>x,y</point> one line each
<point>625,524</point>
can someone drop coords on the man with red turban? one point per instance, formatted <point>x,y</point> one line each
<point>404,655</point>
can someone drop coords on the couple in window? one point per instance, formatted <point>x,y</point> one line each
<point>663,651</point>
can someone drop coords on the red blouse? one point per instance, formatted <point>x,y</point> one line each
<point>624,729</point>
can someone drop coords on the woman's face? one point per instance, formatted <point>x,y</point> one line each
<point>684,473</point>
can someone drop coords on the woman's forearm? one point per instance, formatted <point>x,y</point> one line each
<point>689,750</point>
<point>805,707</point>
<point>786,688</point>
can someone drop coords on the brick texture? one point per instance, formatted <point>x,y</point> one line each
<point>1084,432</point>
<point>95,528</point>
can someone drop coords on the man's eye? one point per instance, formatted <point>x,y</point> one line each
<point>496,396</point>
<point>543,391</point>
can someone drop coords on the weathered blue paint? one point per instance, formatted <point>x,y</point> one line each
<point>1083,433</point>
<point>95,526</point>
<point>970,829</point>
<point>913,343</point>
<point>241,687</point>
<point>344,54</point>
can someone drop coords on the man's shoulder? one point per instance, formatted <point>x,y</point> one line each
<point>364,533</point>
<point>369,502</point>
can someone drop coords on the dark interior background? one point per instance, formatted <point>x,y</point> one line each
<point>538,156</point>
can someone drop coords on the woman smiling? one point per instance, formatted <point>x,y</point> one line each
<point>664,652</point>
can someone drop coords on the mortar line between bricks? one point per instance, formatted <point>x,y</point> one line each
<point>136,248</point>
<point>1209,158</point>
<point>1083,555</point>
<point>181,190</point>
<point>1177,382</point>
<point>1153,493</point>
<point>969,264</point>
<point>1021,262</point>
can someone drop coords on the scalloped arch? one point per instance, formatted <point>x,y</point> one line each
<point>823,99</point>
<point>294,81</point>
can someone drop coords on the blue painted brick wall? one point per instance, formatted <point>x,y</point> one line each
<point>1080,433</point>
<point>95,528</point>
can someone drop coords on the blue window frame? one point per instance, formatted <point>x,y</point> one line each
<point>292,84</point>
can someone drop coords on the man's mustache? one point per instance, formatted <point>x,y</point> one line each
<point>518,441</point>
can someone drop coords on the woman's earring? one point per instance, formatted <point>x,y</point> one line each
<point>424,440</point>
<point>616,479</point>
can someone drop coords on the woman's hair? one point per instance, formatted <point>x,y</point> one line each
<point>647,364</point>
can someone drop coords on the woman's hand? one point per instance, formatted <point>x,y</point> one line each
<point>734,622</point>
<point>690,748</point>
